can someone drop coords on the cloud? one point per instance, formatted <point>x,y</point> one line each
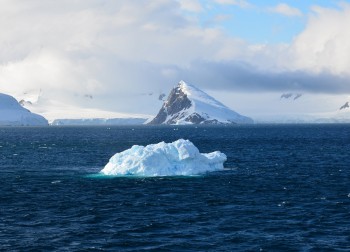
<point>325,42</point>
<point>238,76</point>
<point>191,5</point>
<point>286,10</point>
<point>240,3</point>
<point>119,50</point>
<point>221,18</point>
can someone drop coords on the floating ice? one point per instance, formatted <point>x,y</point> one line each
<point>164,159</point>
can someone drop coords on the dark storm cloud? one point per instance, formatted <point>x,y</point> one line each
<point>244,77</point>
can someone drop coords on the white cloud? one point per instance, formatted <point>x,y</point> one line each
<point>122,48</point>
<point>240,3</point>
<point>122,51</point>
<point>191,5</point>
<point>286,10</point>
<point>221,18</point>
<point>324,45</point>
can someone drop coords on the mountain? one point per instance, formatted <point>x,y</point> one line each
<point>187,104</point>
<point>98,122</point>
<point>13,114</point>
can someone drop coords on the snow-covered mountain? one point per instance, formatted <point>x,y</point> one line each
<point>187,104</point>
<point>13,114</point>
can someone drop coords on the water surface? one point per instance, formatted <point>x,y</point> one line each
<point>287,189</point>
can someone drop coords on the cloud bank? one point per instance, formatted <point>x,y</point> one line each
<point>126,52</point>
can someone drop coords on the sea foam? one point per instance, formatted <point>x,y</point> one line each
<point>181,157</point>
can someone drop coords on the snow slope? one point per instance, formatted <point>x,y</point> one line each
<point>164,159</point>
<point>65,113</point>
<point>13,114</point>
<point>187,104</point>
<point>98,121</point>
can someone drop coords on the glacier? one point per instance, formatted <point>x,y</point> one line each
<point>98,121</point>
<point>179,158</point>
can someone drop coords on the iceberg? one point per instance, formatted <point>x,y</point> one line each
<point>179,158</point>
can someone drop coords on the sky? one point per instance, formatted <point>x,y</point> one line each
<point>119,56</point>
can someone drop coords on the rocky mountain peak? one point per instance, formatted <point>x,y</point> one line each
<point>186,104</point>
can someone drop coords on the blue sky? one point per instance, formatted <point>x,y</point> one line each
<point>256,22</point>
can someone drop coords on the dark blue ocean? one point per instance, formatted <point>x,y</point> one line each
<point>287,189</point>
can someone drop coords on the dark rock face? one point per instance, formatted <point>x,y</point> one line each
<point>346,105</point>
<point>161,117</point>
<point>176,102</point>
<point>195,119</point>
<point>23,102</point>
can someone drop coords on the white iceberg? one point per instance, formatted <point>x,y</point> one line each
<point>164,159</point>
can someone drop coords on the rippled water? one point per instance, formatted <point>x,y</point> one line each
<point>288,188</point>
